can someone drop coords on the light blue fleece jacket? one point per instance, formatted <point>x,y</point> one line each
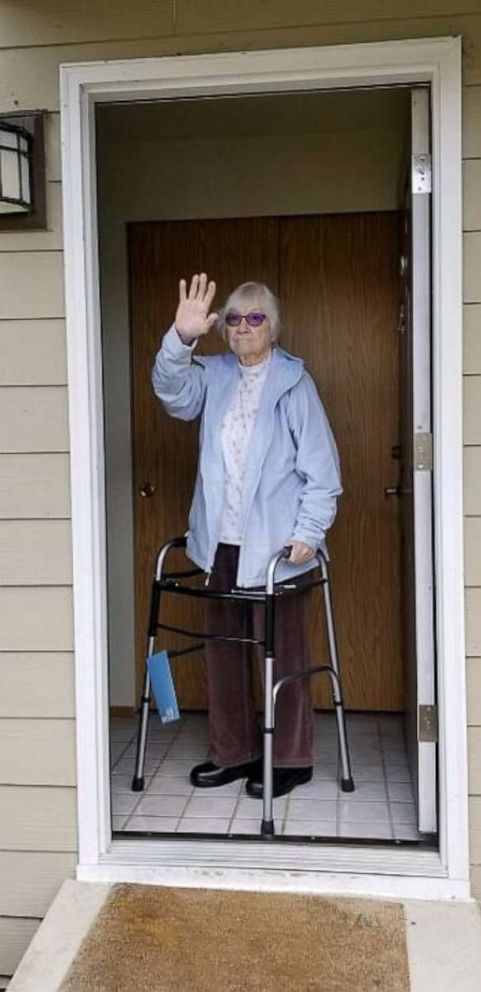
<point>292,479</point>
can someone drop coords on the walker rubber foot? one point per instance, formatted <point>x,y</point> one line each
<point>347,784</point>
<point>137,784</point>
<point>267,828</point>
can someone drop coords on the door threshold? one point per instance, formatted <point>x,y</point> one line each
<point>296,867</point>
<point>304,840</point>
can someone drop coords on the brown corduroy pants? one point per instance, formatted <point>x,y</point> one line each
<point>234,730</point>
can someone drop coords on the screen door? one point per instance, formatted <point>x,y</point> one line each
<point>415,488</point>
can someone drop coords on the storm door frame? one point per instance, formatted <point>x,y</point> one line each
<point>371,868</point>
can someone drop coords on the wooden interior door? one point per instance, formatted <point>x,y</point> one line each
<point>337,278</point>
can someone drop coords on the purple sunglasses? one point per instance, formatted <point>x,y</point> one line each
<point>254,318</point>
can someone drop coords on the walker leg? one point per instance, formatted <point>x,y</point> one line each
<point>347,782</point>
<point>138,779</point>
<point>267,825</point>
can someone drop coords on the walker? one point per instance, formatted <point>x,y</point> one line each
<point>173,583</point>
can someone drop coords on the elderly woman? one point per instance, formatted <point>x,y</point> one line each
<point>268,477</point>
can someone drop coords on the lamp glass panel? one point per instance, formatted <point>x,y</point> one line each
<point>10,178</point>
<point>26,195</point>
<point>8,138</point>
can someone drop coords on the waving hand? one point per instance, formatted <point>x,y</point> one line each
<point>192,319</point>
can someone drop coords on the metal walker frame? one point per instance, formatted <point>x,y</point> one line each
<point>172,583</point>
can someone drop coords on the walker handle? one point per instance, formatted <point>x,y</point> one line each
<point>286,550</point>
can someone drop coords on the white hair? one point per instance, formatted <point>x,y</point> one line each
<point>262,294</point>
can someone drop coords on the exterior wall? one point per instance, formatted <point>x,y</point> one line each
<point>37,829</point>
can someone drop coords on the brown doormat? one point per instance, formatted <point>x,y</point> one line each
<point>153,939</point>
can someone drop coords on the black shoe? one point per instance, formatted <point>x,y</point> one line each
<point>208,775</point>
<point>284,780</point>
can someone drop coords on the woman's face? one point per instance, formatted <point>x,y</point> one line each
<point>250,344</point>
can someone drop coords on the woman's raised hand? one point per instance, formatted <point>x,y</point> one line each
<point>192,319</point>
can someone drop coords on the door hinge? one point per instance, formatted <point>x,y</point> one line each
<point>423,452</point>
<point>421,174</point>
<point>428,724</point>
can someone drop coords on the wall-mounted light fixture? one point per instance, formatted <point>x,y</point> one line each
<point>16,196</point>
<point>22,171</point>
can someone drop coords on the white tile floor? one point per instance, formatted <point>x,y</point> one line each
<point>381,807</point>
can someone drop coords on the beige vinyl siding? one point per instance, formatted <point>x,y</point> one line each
<point>15,936</point>
<point>472,406</point>
<point>33,419</point>
<point>38,836</point>
<point>472,551</point>
<point>39,271</point>
<point>474,692</point>
<point>36,619</point>
<point>472,266</point>
<point>472,195</point>
<point>471,123</point>
<point>472,475</point>
<point>473,623</point>
<point>37,684</point>
<point>475,820</point>
<point>31,880</point>
<point>472,464</point>
<point>35,486</point>
<point>37,751</point>
<point>38,818</point>
<point>474,759</point>
<point>237,15</point>
<point>35,552</point>
<point>472,335</point>
<point>33,352</point>
<point>51,239</point>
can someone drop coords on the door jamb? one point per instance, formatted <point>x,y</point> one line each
<point>436,61</point>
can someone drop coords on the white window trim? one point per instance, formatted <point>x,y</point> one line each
<point>334,867</point>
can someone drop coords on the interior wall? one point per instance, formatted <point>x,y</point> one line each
<point>352,170</point>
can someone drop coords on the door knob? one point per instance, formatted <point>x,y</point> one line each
<point>147,490</point>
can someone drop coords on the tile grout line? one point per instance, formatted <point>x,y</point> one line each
<point>144,791</point>
<point>122,754</point>
<point>189,796</point>
<point>119,756</point>
<point>236,807</point>
<point>181,817</point>
<point>286,815</point>
<point>386,783</point>
<point>338,775</point>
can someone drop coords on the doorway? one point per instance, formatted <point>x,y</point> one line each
<point>85,87</point>
<point>338,275</point>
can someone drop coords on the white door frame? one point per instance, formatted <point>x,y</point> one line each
<point>333,867</point>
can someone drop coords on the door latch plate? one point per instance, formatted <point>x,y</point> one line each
<point>423,452</point>
<point>421,173</point>
<point>428,724</point>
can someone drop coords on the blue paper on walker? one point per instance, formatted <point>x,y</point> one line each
<point>163,687</point>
